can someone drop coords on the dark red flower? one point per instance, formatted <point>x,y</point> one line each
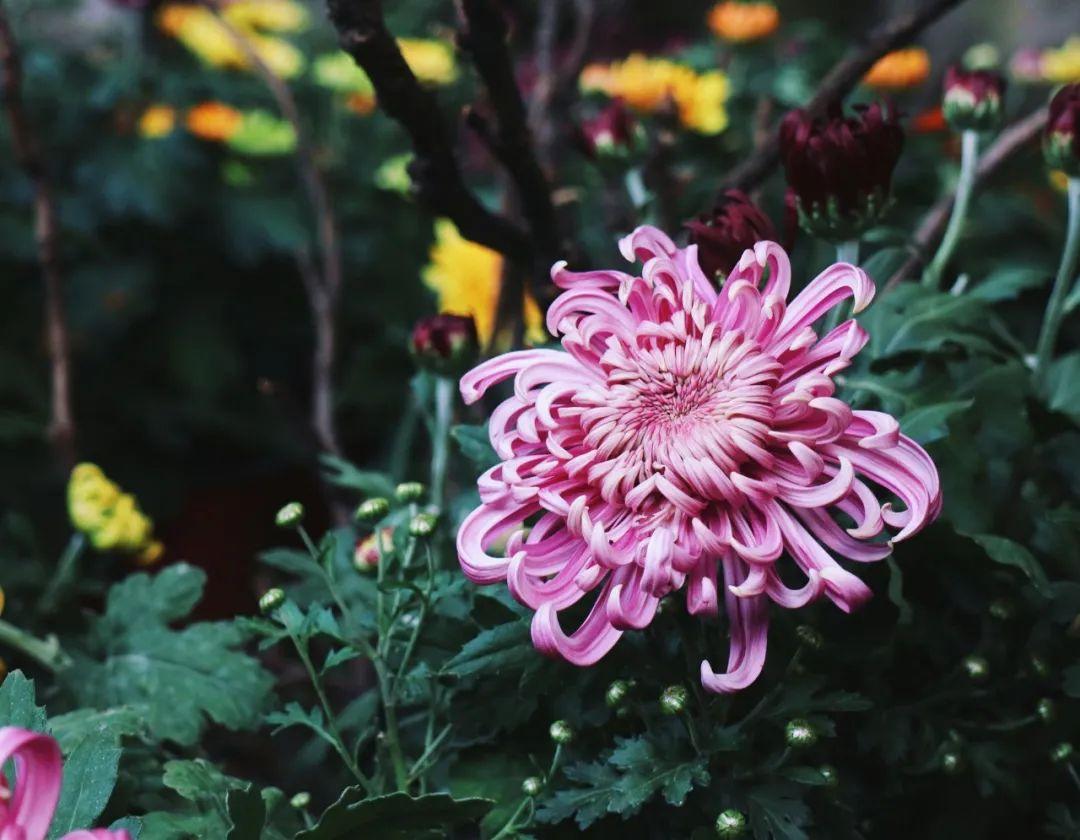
<point>840,167</point>
<point>1061,142</point>
<point>972,99</point>
<point>734,225</point>
<point>612,131</point>
<point>445,344</point>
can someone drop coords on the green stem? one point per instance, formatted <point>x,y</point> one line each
<point>440,444</point>
<point>969,158</point>
<point>846,252</point>
<point>331,720</point>
<point>46,652</point>
<point>66,570</point>
<point>1066,271</point>
<point>419,626</point>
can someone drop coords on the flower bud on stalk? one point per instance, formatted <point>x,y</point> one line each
<point>290,515</point>
<point>673,699</point>
<point>532,786</point>
<point>445,344</point>
<point>1061,753</point>
<point>561,732</point>
<point>973,99</point>
<point>612,134</point>
<point>301,800</point>
<point>616,693</point>
<point>423,525</point>
<point>368,550</point>
<point>271,600</point>
<point>1061,141</point>
<point>977,668</point>
<point>730,823</point>
<point>840,168</point>
<point>409,491</point>
<point>800,733</point>
<point>734,225</point>
<point>372,510</point>
<point>1046,709</point>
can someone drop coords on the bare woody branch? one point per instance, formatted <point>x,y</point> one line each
<point>61,429</point>
<point>322,280</point>
<point>484,37</point>
<point>840,81</point>
<point>930,229</point>
<point>363,34</point>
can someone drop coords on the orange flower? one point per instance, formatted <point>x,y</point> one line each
<point>899,69</point>
<point>741,22</point>
<point>929,121</point>
<point>213,121</point>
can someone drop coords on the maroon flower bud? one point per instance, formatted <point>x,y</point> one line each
<point>972,99</point>
<point>445,344</point>
<point>612,132</point>
<point>734,225</point>
<point>1061,142</point>
<point>840,168</point>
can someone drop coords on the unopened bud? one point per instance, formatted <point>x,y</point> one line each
<point>673,700</point>
<point>800,733</point>
<point>409,491</point>
<point>616,693</point>
<point>1061,753</point>
<point>372,510</point>
<point>952,763</point>
<point>532,786</point>
<point>1046,709</point>
<point>561,732</point>
<point>423,525</point>
<point>290,516</point>
<point>301,800</point>
<point>271,599</point>
<point>730,823</point>
<point>977,668</point>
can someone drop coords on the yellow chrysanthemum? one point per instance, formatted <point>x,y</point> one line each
<point>742,22</point>
<point>899,69</point>
<point>1062,65</point>
<point>648,84</point>
<point>198,29</point>
<point>214,121</point>
<point>157,121</point>
<point>466,278</point>
<point>431,61</point>
<point>110,518</point>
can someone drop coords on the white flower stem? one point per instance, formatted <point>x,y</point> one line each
<point>1055,307</point>
<point>440,444</point>
<point>969,158</point>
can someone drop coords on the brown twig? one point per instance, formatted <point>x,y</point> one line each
<point>61,428</point>
<point>930,229</point>
<point>322,281</point>
<point>363,34</point>
<point>484,36</point>
<point>840,81</point>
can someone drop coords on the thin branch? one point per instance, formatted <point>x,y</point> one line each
<point>61,429</point>
<point>484,37</point>
<point>363,34</point>
<point>926,235</point>
<point>323,282</point>
<point>840,81</point>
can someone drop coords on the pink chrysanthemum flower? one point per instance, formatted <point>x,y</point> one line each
<point>688,434</point>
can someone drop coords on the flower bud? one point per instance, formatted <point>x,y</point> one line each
<point>290,516</point>
<point>271,599</point>
<point>800,733</point>
<point>840,168</point>
<point>409,491</point>
<point>730,823</point>
<point>445,344</point>
<point>976,667</point>
<point>673,699</point>
<point>809,636</point>
<point>372,510</point>
<point>423,525</point>
<point>952,763</point>
<point>370,549</point>
<point>1061,752</point>
<point>301,800</point>
<point>532,786</point>
<point>561,732</point>
<point>616,693</point>
<point>1002,609</point>
<point>612,133</point>
<point>1046,709</point>
<point>1061,140</point>
<point>734,225</point>
<point>828,772</point>
<point>972,99</point>
<point>1039,665</point>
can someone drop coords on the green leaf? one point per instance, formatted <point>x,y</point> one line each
<point>474,443</point>
<point>777,811</point>
<point>396,816</point>
<point>180,677</point>
<point>344,474</point>
<point>1009,553</point>
<point>499,647</point>
<point>247,812</point>
<point>18,706</point>
<point>90,772</point>
<point>1063,385</point>
<point>927,423</point>
<point>1008,283</point>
